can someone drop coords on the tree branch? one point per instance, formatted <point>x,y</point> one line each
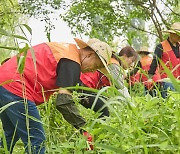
<point>144,30</point>
<point>170,8</point>
<point>154,19</point>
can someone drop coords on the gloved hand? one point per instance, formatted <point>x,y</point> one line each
<point>67,107</point>
<point>149,84</point>
<point>89,140</point>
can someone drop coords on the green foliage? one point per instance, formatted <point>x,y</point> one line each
<point>137,89</point>
<point>22,52</point>
<point>95,18</point>
<point>150,127</point>
<point>106,19</point>
<point>41,9</point>
<point>22,58</point>
<point>9,18</point>
<point>38,8</point>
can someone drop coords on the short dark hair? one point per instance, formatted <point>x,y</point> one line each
<point>144,52</point>
<point>128,51</point>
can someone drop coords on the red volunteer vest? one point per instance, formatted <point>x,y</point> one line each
<point>146,62</point>
<point>170,60</point>
<point>90,79</point>
<point>96,79</point>
<point>134,79</point>
<point>40,83</point>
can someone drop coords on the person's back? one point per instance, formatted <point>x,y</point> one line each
<point>141,71</point>
<point>39,74</point>
<point>145,65</point>
<point>170,60</point>
<point>49,66</point>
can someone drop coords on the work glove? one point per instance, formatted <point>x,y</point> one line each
<point>89,139</point>
<point>67,107</point>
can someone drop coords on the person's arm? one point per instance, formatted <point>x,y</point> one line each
<point>157,55</point>
<point>118,78</point>
<point>135,70</point>
<point>68,75</point>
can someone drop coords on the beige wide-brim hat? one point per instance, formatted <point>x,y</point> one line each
<point>102,49</point>
<point>143,49</point>
<point>175,28</point>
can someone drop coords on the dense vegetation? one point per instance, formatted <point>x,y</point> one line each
<point>152,125</point>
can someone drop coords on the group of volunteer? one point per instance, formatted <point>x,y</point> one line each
<point>149,70</point>
<point>53,67</point>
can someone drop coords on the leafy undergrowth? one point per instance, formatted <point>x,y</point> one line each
<point>151,126</point>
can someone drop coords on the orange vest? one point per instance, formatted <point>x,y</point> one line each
<point>39,80</point>
<point>146,62</point>
<point>114,61</point>
<point>170,60</point>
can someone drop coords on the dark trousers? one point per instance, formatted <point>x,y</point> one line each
<point>152,92</point>
<point>165,87</point>
<point>21,121</point>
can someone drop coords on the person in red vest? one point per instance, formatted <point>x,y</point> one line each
<point>134,77</point>
<point>143,66</point>
<point>98,80</point>
<point>49,67</point>
<point>168,52</point>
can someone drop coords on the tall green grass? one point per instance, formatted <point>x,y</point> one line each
<point>151,126</point>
